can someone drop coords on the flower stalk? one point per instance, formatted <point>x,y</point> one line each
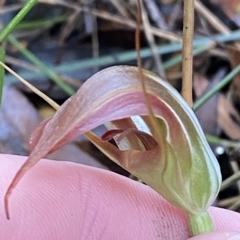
<point>200,223</point>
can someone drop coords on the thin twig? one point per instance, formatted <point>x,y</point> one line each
<point>188,29</point>
<point>113,18</point>
<point>226,202</point>
<point>155,14</point>
<point>235,205</point>
<point>20,63</point>
<point>152,121</point>
<point>211,18</point>
<point>151,42</point>
<point>174,14</point>
<point>30,86</point>
<point>119,7</point>
<point>68,27</point>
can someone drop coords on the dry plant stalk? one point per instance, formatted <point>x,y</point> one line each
<point>31,87</point>
<point>188,29</point>
<point>152,44</point>
<point>152,120</point>
<point>211,18</point>
<point>113,18</point>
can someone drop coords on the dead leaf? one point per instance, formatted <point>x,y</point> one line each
<point>228,118</point>
<point>234,56</point>
<point>231,8</point>
<point>207,114</point>
<point>200,84</point>
<point>18,119</point>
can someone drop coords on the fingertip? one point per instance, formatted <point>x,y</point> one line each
<point>221,235</point>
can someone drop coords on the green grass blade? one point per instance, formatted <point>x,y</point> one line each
<point>218,87</point>
<point>14,22</point>
<point>47,71</point>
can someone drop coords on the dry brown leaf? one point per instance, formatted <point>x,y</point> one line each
<point>234,56</point>
<point>200,84</point>
<point>208,112</point>
<point>230,8</point>
<point>18,118</point>
<point>228,118</point>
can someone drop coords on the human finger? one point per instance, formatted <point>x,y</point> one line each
<point>62,200</point>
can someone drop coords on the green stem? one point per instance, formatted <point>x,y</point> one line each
<point>47,71</point>
<point>5,33</point>
<point>200,223</point>
<point>222,142</point>
<point>21,14</point>
<point>41,23</point>
<point>218,87</point>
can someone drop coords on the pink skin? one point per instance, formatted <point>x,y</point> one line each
<point>61,200</point>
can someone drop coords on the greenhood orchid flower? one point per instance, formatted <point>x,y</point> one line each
<point>172,158</point>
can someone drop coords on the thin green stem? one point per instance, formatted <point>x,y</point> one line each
<point>5,33</point>
<point>47,71</point>
<point>218,87</point>
<point>14,22</point>
<point>200,223</point>
<point>41,23</point>
<point>222,142</point>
